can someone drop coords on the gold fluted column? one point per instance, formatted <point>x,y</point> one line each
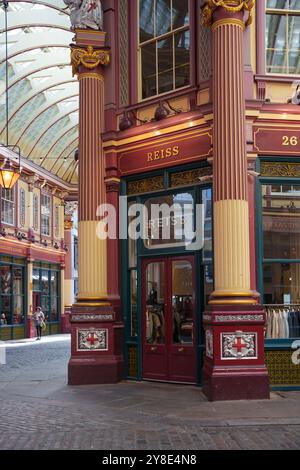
<point>234,365</point>
<point>231,210</point>
<point>92,252</point>
<point>96,334</point>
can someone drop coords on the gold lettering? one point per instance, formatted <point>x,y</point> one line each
<point>163,153</point>
<point>175,151</point>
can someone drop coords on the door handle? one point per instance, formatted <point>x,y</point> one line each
<point>180,349</point>
<point>153,348</point>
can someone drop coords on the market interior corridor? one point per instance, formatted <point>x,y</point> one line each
<point>42,412</point>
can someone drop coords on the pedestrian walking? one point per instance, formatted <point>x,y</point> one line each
<point>39,319</point>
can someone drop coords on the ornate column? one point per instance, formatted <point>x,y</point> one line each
<point>30,326</point>
<point>234,363</point>
<point>96,335</point>
<point>68,285</point>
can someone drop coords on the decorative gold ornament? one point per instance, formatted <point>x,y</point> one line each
<point>89,58</point>
<point>68,224</point>
<point>232,6</point>
<point>146,185</point>
<point>280,169</point>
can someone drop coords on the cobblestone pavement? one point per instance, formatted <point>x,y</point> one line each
<point>39,411</point>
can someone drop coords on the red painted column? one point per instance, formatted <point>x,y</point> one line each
<point>234,365</point>
<point>96,332</point>
<point>68,277</point>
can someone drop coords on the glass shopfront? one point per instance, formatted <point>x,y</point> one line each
<point>46,294</point>
<point>167,277</point>
<point>278,248</point>
<point>12,297</point>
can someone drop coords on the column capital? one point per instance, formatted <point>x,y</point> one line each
<point>89,58</point>
<point>230,7</point>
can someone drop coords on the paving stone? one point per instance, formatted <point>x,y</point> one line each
<point>39,411</point>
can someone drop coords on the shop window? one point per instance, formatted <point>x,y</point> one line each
<point>171,227</point>
<point>46,291</point>
<point>75,253</point>
<point>8,206</point>
<point>281,221</point>
<point>281,259</point>
<point>164,45</point>
<point>11,297</point>
<point>22,207</point>
<point>35,212</point>
<point>45,214</point>
<point>283,36</point>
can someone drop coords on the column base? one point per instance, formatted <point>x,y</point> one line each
<point>234,366</point>
<point>96,346</point>
<point>95,371</point>
<point>65,321</point>
<point>220,384</point>
<point>30,328</point>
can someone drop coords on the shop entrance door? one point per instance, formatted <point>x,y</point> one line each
<point>168,319</point>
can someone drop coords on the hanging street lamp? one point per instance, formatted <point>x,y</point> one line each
<point>9,174</point>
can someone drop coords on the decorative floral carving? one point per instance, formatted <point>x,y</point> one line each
<point>92,340</point>
<point>89,58</point>
<point>145,185</point>
<point>85,14</point>
<point>280,169</point>
<point>209,344</point>
<point>189,177</point>
<point>239,345</point>
<point>211,5</point>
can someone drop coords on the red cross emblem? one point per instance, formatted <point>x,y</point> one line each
<point>92,339</point>
<point>93,6</point>
<point>239,344</point>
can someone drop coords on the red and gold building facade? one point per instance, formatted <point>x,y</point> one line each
<point>33,253</point>
<point>192,111</point>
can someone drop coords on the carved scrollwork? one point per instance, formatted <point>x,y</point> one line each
<point>280,169</point>
<point>89,58</point>
<point>228,5</point>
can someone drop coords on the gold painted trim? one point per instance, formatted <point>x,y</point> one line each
<point>94,75</point>
<point>112,180</point>
<point>168,130</point>
<point>231,6</point>
<point>229,22</point>
<point>164,140</point>
<point>92,298</point>
<point>89,58</point>
<point>92,304</point>
<point>232,294</point>
<point>233,302</point>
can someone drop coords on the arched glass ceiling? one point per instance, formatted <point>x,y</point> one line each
<point>43,95</point>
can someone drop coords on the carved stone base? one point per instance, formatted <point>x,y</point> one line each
<point>96,346</point>
<point>220,384</point>
<point>234,366</point>
<point>30,328</point>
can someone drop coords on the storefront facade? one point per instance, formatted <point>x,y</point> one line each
<point>32,255</point>
<point>183,126</point>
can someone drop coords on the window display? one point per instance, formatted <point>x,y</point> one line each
<point>12,305</point>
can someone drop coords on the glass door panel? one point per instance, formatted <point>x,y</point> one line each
<point>155,360</point>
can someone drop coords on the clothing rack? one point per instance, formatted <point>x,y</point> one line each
<point>281,305</point>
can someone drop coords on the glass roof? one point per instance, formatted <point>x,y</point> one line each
<point>43,96</point>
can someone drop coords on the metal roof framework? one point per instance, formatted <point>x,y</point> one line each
<point>43,96</point>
